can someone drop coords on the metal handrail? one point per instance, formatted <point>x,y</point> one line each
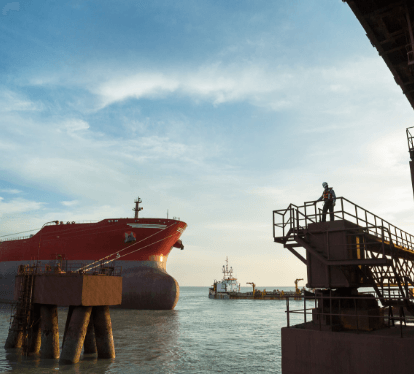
<point>315,311</point>
<point>348,211</point>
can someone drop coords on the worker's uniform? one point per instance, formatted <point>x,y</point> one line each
<point>328,196</point>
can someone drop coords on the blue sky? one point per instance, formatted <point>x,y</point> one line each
<point>219,111</point>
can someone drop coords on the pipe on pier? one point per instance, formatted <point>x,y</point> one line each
<point>103,332</point>
<point>50,332</point>
<point>75,333</point>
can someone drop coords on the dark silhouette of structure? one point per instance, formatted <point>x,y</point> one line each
<point>389,27</point>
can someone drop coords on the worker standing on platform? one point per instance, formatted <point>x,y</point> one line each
<point>329,198</point>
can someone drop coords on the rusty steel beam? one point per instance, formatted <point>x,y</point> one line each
<point>296,253</point>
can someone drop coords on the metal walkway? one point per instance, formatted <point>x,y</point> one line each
<point>358,249</point>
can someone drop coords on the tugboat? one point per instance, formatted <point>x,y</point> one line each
<point>222,289</point>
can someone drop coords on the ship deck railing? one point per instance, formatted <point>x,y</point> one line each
<point>62,267</point>
<point>46,224</point>
<point>16,238</point>
<point>53,223</point>
<point>297,218</point>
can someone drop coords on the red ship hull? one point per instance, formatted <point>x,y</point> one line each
<point>142,246</point>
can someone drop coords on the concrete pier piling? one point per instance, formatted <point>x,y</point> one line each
<point>103,332</point>
<point>15,337</point>
<point>75,334</point>
<point>70,311</point>
<point>50,332</point>
<point>35,334</point>
<point>89,346</point>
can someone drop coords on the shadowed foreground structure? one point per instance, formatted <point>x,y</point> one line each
<point>389,27</point>
<point>349,331</point>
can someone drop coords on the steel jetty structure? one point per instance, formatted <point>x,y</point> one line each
<point>346,329</point>
<point>139,245</point>
<point>229,288</point>
<point>344,325</point>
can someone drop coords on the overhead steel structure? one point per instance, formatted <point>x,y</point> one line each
<point>389,27</point>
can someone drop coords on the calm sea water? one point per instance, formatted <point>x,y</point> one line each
<point>200,336</point>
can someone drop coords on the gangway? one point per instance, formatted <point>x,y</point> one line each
<point>357,249</point>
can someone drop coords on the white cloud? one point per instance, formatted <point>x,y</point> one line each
<point>70,203</point>
<point>10,191</point>
<point>92,165</point>
<point>19,205</point>
<point>275,87</point>
<point>136,86</point>
<point>216,83</point>
<point>13,102</point>
<point>75,125</point>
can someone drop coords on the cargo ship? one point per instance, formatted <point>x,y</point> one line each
<point>139,246</point>
<point>229,288</point>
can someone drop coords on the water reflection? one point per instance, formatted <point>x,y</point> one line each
<point>146,336</point>
<point>34,364</point>
<point>201,335</point>
<point>141,337</point>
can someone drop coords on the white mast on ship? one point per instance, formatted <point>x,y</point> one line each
<point>226,270</point>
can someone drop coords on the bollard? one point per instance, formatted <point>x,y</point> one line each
<point>89,346</point>
<point>35,333</point>
<point>103,332</point>
<point>75,334</point>
<point>15,337</point>
<point>50,331</point>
